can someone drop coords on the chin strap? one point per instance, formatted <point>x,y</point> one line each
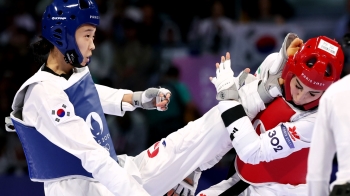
<point>71,57</point>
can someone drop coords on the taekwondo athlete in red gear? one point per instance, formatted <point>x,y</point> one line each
<point>272,149</point>
<point>58,113</point>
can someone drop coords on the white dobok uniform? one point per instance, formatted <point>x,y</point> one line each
<point>331,135</point>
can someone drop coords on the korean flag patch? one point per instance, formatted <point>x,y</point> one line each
<point>60,113</point>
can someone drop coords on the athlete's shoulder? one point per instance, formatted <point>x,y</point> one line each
<point>45,88</point>
<point>304,126</point>
<point>40,86</point>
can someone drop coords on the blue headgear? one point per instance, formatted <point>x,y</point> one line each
<point>60,21</point>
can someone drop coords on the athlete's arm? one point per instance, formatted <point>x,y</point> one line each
<point>248,94</point>
<point>255,95</point>
<point>113,101</point>
<point>279,142</point>
<point>117,101</point>
<point>72,134</point>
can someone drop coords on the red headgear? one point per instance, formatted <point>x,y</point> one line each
<point>317,64</point>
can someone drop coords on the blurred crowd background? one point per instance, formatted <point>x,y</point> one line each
<point>172,44</point>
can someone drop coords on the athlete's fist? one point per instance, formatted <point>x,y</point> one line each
<point>152,98</point>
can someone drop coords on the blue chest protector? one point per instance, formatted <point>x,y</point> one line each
<point>45,160</point>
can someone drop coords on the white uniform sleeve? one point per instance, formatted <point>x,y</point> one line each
<point>276,143</point>
<point>331,134</point>
<point>220,187</point>
<point>262,71</point>
<point>111,100</point>
<point>319,162</point>
<point>249,96</point>
<point>73,135</point>
<point>215,160</point>
<point>250,99</point>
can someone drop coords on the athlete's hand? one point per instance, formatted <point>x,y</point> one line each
<point>270,87</point>
<point>188,186</point>
<point>224,80</point>
<point>290,46</point>
<point>152,98</point>
<point>294,46</point>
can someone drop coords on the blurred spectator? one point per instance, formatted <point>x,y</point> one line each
<point>3,159</point>
<point>14,55</point>
<point>7,92</point>
<point>135,63</point>
<point>17,31</point>
<point>342,27</point>
<point>106,8</point>
<point>184,12</point>
<point>12,158</point>
<point>129,133</point>
<point>24,15</point>
<point>171,45</point>
<point>181,109</point>
<point>41,6</point>
<point>150,24</point>
<point>101,65</point>
<point>272,11</point>
<point>122,11</point>
<point>212,34</point>
<point>170,35</point>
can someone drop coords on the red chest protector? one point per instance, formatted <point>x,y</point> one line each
<point>289,170</point>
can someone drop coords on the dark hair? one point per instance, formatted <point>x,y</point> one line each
<point>41,49</point>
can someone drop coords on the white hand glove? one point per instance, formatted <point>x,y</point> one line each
<point>224,82</point>
<point>270,87</point>
<point>279,64</point>
<point>184,188</point>
<point>149,98</point>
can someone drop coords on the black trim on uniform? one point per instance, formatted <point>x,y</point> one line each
<point>237,188</point>
<point>341,190</point>
<point>230,116</point>
<point>65,76</point>
<point>232,169</point>
<point>233,114</point>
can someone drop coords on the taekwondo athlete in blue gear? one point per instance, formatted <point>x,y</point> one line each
<point>59,112</point>
<point>65,164</point>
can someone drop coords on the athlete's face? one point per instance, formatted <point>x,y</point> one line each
<point>301,93</point>
<point>84,36</point>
